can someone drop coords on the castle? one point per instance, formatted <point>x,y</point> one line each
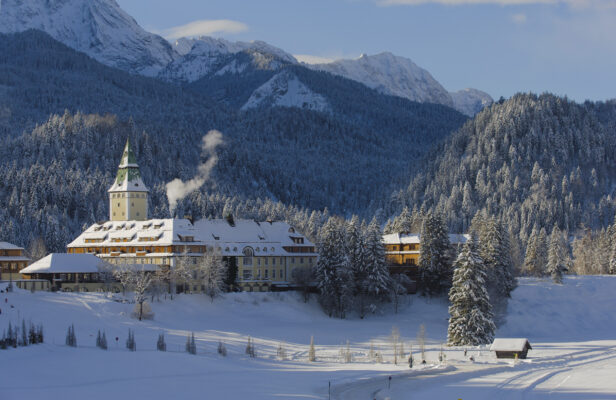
<point>266,254</point>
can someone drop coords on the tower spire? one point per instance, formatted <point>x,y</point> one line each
<point>128,196</point>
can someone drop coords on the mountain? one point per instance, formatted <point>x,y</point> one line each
<point>391,75</point>
<point>470,101</point>
<point>532,161</point>
<point>99,28</point>
<point>206,55</point>
<point>64,118</point>
<point>399,76</point>
<point>286,90</point>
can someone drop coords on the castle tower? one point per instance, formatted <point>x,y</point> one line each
<point>128,196</point>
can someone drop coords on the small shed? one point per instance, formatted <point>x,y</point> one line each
<point>509,347</point>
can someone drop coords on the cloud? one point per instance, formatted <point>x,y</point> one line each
<point>601,4</point>
<point>519,18</point>
<point>205,27</point>
<point>308,59</point>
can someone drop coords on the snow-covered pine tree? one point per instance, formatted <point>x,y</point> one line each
<point>471,320</point>
<point>558,256</point>
<point>71,339</point>
<point>434,262</point>
<point>377,280</point>
<point>356,261</point>
<point>332,273</point>
<point>534,260</point>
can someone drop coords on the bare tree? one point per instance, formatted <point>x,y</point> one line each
<point>211,273</point>
<point>395,339</point>
<point>421,339</point>
<point>398,284</point>
<point>136,278</point>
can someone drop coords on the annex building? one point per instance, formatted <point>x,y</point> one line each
<point>12,260</point>
<point>265,253</point>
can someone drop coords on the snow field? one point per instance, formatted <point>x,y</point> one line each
<point>568,360</point>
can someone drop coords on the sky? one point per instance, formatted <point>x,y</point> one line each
<point>566,47</point>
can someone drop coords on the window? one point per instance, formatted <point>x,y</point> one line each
<point>273,260</point>
<point>258,261</point>
<point>266,273</point>
<point>247,274</point>
<point>281,274</point>
<point>301,260</point>
<point>266,260</point>
<point>273,274</point>
<point>292,260</point>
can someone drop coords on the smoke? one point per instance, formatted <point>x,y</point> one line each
<point>178,189</point>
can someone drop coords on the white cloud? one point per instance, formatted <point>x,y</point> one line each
<point>204,27</point>
<point>308,59</point>
<point>519,18</point>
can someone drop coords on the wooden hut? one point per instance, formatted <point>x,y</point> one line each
<point>510,347</point>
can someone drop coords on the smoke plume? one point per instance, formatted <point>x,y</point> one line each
<point>178,189</point>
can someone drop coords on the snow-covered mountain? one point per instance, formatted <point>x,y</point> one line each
<point>99,28</point>
<point>390,74</point>
<point>471,101</point>
<point>399,76</point>
<point>206,55</point>
<point>286,90</point>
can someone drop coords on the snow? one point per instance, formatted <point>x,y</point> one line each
<point>390,74</point>
<point>415,238</point>
<point>286,90</point>
<point>99,28</point>
<point>471,101</point>
<point>59,263</point>
<point>558,366</point>
<point>9,246</point>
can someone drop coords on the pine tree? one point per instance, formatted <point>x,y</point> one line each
<point>471,320</point>
<point>222,350</point>
<point>191,346</point>
<point>377,281</point>
<point>356,261</point>
<point>160,343</point>
<point>71,339</point>
<point>98,339</point>
<point>434,262</point>
<point>250,348</point>
<point>332,272</point>
<point>24,334</point>
<point>130,341</point>
<point>558,256</point>
<point>104,341</point>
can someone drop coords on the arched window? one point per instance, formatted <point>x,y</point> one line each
<point>248,254</point>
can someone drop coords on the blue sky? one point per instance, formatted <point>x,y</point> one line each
<point>567,47</point>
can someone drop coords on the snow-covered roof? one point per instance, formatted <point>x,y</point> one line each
<point>510,344</point>
<point>9,246</point>
<point>264,238</point>
<point>415,238</point>
<point>60,263</point>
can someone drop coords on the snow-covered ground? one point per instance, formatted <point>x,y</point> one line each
<point>571,327</point>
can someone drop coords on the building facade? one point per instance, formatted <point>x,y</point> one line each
<point>266,254</point>
<point>12,260</point>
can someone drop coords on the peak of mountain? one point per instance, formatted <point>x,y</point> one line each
<point>471,101</point>
<point>286,90</point>
<point>99,28</point>
<point>391,74</point>
<point>207,55</point>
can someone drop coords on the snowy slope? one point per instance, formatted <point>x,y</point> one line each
<point>99,28</point>
<point>286,90</point>
<point>390,74</point>
<point>570,328</point>
<point>471,101</point>
<point>207,55</point>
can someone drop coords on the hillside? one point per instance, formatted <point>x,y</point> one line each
<point>62,147</point>
<point>533,161</point>
<point>572,356</point>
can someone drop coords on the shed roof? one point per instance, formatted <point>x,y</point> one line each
<point>9,246</point>
<point>510,344</point>
<point>61,263</point>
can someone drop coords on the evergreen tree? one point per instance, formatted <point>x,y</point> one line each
<point>160,343</point>
<point>191,346</point>
<point>434,261</point>
<point>222,350</point>
<point>130,341</point>
<point>471,320</point>
<point>332,272</point>
<point>558,256</point>
<point>377,280</point>
<point>71,339</point>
